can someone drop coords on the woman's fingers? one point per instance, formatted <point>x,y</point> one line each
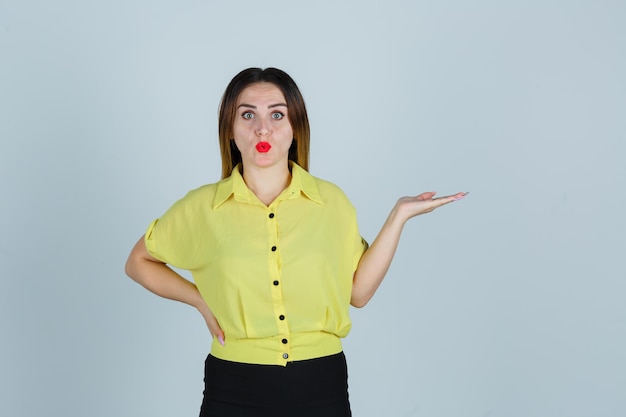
<point>214,327</point>
<point>425,203</point>
<point>426,196</point>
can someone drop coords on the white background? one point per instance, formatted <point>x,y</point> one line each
<point>509,303</point>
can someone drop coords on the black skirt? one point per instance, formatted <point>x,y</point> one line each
<point>310,388</point>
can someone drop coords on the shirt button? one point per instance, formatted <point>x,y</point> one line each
<point>281,317</point>
<point>275,282</point>
<point>285,355</point>
<point>273,248</point>
<point>284,341</point>
<point>271,215</point>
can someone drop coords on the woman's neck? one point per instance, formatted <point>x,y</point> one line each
<point>267,183</point>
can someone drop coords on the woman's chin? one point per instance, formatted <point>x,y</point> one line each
<point>265,160</point>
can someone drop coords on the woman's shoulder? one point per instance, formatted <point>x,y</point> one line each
<point>327,186</point>
<point>201,191</point>
<point>331,192</point>
<point>200,195</point>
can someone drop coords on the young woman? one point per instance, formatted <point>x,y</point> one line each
<point>276,257</point>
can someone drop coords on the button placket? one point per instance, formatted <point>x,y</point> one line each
<point>276,284</point>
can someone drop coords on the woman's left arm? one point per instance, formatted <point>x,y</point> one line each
<point>376,260</point>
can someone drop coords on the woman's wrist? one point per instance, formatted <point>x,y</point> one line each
<point>398,215</point>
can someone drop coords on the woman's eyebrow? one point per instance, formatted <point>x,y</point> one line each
<point>271,106</point>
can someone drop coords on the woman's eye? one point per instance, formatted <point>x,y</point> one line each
<point>248,115</point>
<point>277,116</point>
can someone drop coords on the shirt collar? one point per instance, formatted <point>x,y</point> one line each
<point>302,184</point>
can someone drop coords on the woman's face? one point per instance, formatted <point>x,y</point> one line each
<point>262,130</point>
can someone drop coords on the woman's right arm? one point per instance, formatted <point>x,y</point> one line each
<point>161,280</point>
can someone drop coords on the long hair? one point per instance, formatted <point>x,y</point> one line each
<point>299,150</point>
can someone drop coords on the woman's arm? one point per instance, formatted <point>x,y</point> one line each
<point>376,260</point>
<point>160,279</point>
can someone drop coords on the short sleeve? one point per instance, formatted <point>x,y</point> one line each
<point>173,238</point>
<point>150,241</point>
<point>344,213</point>
<point>360,248</point>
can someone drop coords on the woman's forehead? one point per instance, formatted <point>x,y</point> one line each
<point>261,93</point>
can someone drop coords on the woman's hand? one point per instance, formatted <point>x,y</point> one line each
<point>408,207</point>
<point>160,279</point>
<point>376,260</point>
<point>211,322</point>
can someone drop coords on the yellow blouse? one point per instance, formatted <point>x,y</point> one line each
<point>278,278</point>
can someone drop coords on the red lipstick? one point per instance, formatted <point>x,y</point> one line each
<point>263,147</point>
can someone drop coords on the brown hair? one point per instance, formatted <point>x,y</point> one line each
<point>299,150</point>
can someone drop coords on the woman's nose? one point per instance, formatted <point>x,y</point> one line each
<point>262,129</point>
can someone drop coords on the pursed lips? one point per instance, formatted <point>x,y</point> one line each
<point>263,147</point>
